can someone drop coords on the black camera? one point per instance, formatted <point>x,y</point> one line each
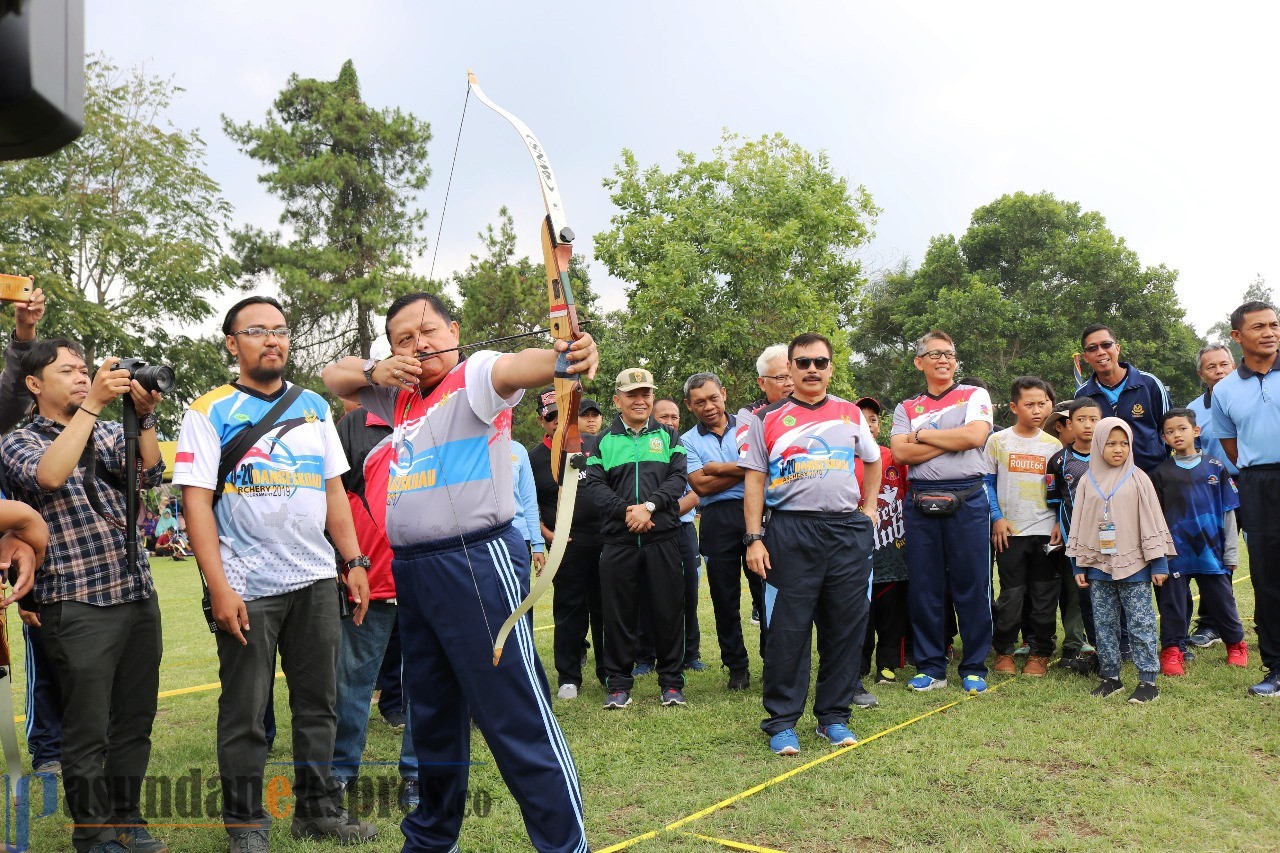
<point>152,377</point>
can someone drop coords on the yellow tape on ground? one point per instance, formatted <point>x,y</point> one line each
<point>732,845</point>
<point>165,694</point>
<point>795,771</point>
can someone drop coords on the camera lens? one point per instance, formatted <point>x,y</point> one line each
<point>155,377</point>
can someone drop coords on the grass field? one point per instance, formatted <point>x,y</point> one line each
<point>1036,764</point>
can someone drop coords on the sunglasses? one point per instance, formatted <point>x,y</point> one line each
<point>1099,345</point>
<point>803,362</point>
<point>550,416</point>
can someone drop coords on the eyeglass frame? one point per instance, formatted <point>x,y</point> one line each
<point>1101,345</point>
<point>282,334</point>
<point>940,354</point>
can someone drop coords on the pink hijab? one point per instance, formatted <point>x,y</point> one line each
<point>1141,532</point>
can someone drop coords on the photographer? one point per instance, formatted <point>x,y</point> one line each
<point>100,616</point>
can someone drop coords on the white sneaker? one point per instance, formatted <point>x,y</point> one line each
<point>567,691</point>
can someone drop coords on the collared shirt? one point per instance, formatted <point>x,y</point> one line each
<point>1246,407</point>
<point>958,406</point>
<point>1140,400</point>
<point>703,446</point>
<point>1208,442</point>
<point>85,560</point>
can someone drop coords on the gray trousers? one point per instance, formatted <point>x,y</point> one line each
<point>304,626</point>
<point>108,663</point>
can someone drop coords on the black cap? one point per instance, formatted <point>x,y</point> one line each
<point>869,403</point>
<point>587,405</point>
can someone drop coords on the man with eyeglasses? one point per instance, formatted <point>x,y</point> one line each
<point>814,553</point>
<point>941,435</point>
<point>575,604</point>
<point>1123,391</point>
<point>716,477</point>
<point>259,538</point>
<point>100,616</point>
<point>1246,415</point>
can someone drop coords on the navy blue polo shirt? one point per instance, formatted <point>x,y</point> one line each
<point>1140,402</point>
<point>1246,407</point>
<point>702,446</point>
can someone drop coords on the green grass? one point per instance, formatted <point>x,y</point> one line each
<point>1035,765</point>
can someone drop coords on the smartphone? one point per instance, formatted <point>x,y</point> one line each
<point>16,288</point>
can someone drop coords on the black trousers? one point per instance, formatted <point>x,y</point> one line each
<point>821,578</point>
<point>888,619</point>
<point>576,606</point>
<point>108,662</point>
<point>655,573</point>
<point>1258,514</point>
<point>691,563</point>
<point>723,526</point>
<point>1027,572</point>
<point>1217,601</point>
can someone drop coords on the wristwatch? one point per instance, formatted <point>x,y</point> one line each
<point>651,506</point>
<point>752,537</point>
<point>367,370</point>
<point>148,421</point>
<point>361,562</point>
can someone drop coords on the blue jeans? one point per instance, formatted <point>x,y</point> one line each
<point>359,656</point>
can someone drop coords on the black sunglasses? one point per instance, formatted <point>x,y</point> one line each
<point>803,362</point>
<point>550,416</point>
<point>1099,345</point>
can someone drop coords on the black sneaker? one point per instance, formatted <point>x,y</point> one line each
<point>1204,637</point>
<point>1144,694</point>
<point>739,679</point>
<point>617,699</point>
<point>1108,687</point>
<point>341,827</point>
<point>672,696</point>
<point>136,839</point>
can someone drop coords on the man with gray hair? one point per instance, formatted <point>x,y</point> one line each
<point>712,459</point>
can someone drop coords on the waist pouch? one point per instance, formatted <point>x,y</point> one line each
<point>940,503</point>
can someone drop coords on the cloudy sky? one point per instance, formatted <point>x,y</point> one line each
<point>1160,116</point>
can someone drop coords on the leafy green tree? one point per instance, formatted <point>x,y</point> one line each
<point>727,255</point>
<point>348,175</point>
<point>503,295</point>
<point>121,230</point>
<point>1015,291</point>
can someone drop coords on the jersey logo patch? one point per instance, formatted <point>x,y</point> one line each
<point>789,420</point>
<point>655,445</point>
<point>1213,479</point>
<point>1138,411</point>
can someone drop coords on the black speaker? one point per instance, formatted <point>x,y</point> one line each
<point>41,76</point>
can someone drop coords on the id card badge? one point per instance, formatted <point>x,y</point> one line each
<point>1107,537</point>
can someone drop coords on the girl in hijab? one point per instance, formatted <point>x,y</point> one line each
<point>1121,545</point>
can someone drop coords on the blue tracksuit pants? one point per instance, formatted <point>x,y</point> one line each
<point>952,552</point>
<point>445,631</point>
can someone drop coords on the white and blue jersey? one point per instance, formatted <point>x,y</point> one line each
<point>271,516</point>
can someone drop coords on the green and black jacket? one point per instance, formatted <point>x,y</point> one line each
<point>625,468</point>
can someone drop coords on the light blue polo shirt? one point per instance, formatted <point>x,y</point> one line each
<point>1246,407</point>
<point>702,446</point>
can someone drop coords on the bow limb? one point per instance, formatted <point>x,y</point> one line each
<point>8,731</point>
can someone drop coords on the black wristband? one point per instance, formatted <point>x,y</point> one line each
<point>91,412</point>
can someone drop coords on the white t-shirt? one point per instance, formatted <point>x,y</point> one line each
<point>271,517</point>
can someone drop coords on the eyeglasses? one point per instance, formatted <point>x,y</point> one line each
<point>1099,345</point>
<point>550,416</point>
<point>939,354</point>
<point>781,377</point>
<point>803,362</point>
<point>259,332</point>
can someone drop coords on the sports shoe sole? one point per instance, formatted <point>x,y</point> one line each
<point>936,684</point>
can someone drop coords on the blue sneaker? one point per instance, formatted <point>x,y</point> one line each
<point>785,743</point>
<point>1268,686</point>
<point>697,665</point>
<point>973,685</point>
<point>923,682</point>
<point>642,669</point>
<point>837,734</point>
<point>1204,637</point>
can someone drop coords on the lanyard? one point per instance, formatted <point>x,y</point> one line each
<point>1106,499</point>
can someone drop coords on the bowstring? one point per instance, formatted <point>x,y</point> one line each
<point>426,415</point>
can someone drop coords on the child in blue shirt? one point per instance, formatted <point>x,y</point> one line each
<point>1199,500</point>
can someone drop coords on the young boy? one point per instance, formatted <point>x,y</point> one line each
<point>1023,529</point>
<point>888,616</point>
<point>1068,467</point>
<point>1199,499</point>
<point>1074,640</point>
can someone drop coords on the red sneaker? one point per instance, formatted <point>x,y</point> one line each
<point>1171,661</point>
<point>1237,654</point>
